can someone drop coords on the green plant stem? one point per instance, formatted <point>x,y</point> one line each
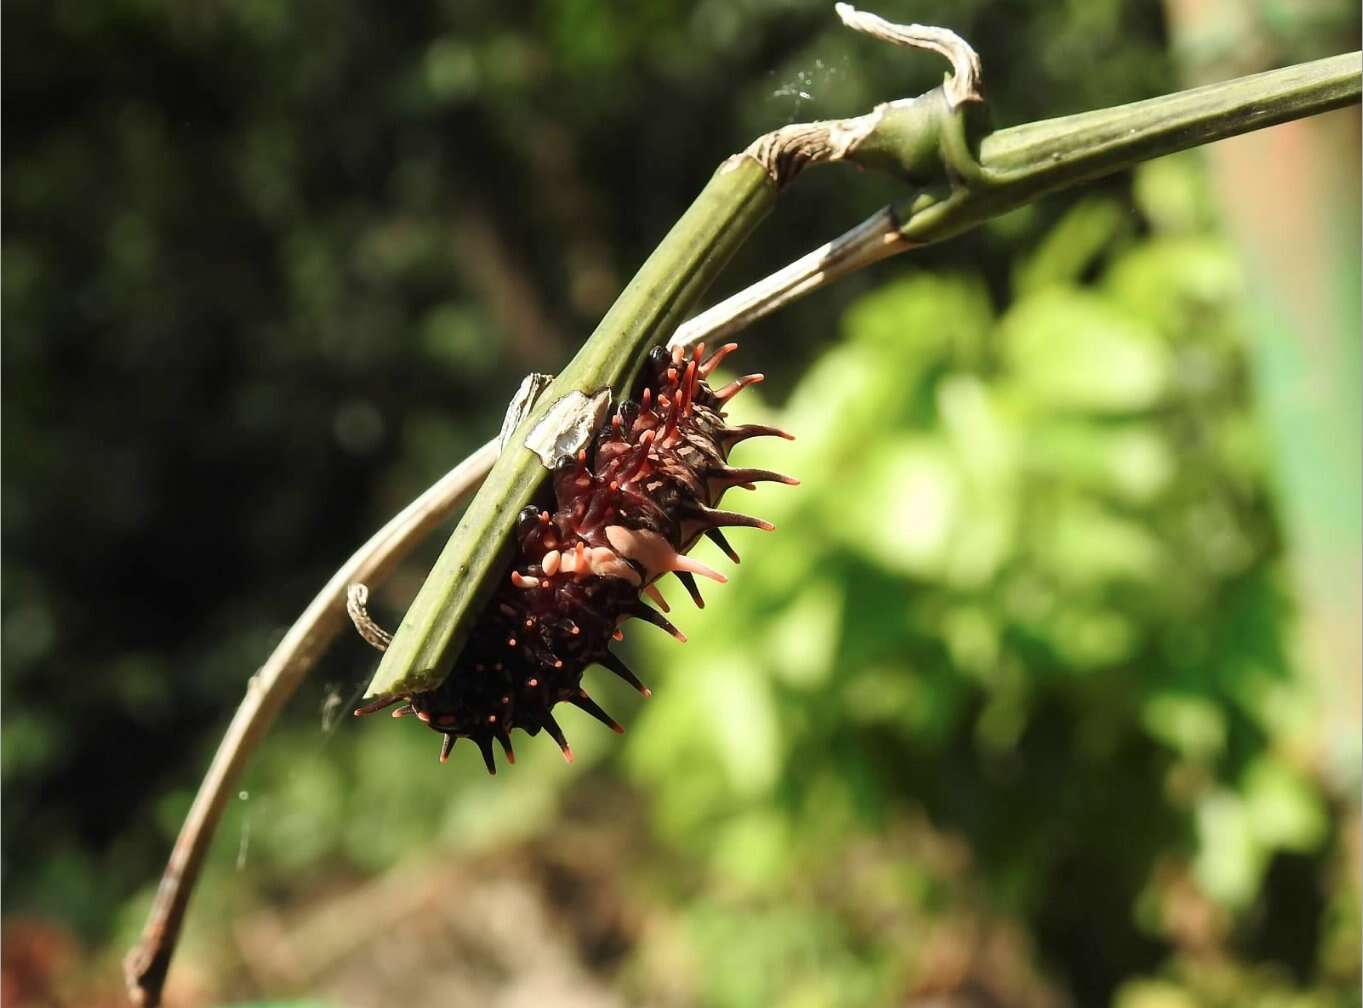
<point>1019,164</point>
<point>660,296</point>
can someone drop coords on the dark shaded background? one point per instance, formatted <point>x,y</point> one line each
<point>270,269</point>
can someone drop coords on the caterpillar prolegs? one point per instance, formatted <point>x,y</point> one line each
<point>626,511</point>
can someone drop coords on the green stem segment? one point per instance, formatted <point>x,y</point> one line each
<point>661,295</point>
<point>1019,164</point>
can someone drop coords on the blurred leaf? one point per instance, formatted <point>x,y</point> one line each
<point>1072,350</point>
<point>1172,194</point>
<point>1285,811</point>
<point>1071,246</point>
<point>1229,857</point>
<point>1192,725</point>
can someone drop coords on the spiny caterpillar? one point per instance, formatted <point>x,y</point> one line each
<point>627,510</point>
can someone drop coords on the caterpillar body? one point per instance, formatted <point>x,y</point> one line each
<point>626,511</point>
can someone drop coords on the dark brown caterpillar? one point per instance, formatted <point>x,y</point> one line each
<point>626,511</point>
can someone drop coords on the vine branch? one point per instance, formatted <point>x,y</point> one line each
<point>266,693</point>
<point>957,177</point>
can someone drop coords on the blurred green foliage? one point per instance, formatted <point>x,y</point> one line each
<point>1008,706</point>
<point>1027,594</point>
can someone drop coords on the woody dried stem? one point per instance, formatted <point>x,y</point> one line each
<point>957,175</point>
<point>266,693</point>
